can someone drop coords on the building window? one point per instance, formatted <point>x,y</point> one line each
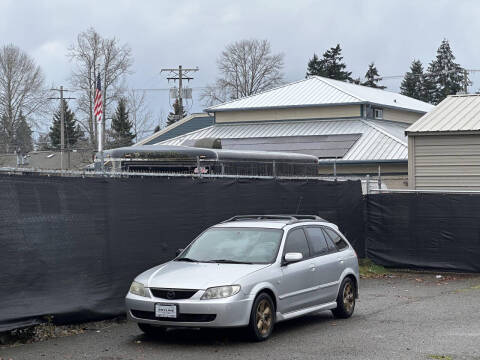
<point>378,113</point>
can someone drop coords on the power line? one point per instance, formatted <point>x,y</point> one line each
<point>179,74</point>
<point>62,123</point>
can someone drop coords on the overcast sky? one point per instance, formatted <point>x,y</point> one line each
<point>193,33</point>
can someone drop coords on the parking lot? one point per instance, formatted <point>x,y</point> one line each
<point>405,316</point>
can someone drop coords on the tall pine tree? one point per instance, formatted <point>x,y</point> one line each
<point>415,84</point>
<point>447,76</point>
<point>121,128</point>
<point>175,115</point>
<point>23,135</point>
<point>72,131</point>
<point>372,77</point>
<point>330,66</point>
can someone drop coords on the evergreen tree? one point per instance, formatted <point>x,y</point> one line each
<point>314,66</point>
<point>121,128</point>
<point>330,66</point>
<point>372,77</point>
<point>23,135</point>
<point>446,75</point>
<point>72,131</point>
<point>415,84</point>
<point>174,116</point>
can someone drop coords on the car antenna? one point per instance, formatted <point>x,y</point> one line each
<point>298,204</point>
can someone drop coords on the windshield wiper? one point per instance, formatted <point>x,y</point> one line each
<point>186,259</point>
<point>225,261</point>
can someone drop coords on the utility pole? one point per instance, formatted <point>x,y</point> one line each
<point>465,81</point>
<point>62,124</point>
<point>180,74</point>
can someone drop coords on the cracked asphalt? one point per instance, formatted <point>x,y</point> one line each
<point>408,316</point>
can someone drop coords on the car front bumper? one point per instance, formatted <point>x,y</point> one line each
<point>233,311</point>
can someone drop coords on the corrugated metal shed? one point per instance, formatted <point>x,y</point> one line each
<point>320,91</point>
<point>375,142</point>
<point>455,113</point>
<point>187,124</point>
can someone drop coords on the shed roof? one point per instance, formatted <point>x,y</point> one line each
<point>375,143</point>
<point>320,91</point>
<point>187,124</point>
<point>455,113</point>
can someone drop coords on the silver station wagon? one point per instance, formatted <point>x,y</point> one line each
<point>249,271</point>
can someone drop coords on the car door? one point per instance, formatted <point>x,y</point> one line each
<point>297,283</point>
<point>328,269</point>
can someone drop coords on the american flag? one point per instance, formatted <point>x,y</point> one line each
<point>98,100</point>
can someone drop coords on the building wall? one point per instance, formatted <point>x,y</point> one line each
<point>401,115</point>
<point>444,162</point>
<point>321,112</point>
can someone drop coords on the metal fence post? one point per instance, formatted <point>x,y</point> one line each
<point>379,178</point>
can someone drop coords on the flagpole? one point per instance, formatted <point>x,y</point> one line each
<point>100,143</point>
<point>98,107</point>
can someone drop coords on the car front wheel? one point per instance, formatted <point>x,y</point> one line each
<point>262,318</point>
<point>345,299</point>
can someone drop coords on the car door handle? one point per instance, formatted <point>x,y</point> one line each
<point>312,267</point>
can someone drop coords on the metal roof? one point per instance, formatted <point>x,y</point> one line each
<point>187,124</point>
<point>455,113</point>
<point>376,143</point>
<point>320,91</point>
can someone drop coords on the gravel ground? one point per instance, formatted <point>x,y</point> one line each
<point>408,316</point>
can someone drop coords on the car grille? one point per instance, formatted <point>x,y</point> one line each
<point>150,315</point>
<point>173,294</point>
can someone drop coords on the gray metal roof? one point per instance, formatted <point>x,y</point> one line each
<point>455,113</point>
<point>375,143</point>
<point>320,91</point>
<point>187,124</point>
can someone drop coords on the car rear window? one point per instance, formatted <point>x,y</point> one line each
<point>337,239</point>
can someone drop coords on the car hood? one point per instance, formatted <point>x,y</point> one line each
<point>183,275</point>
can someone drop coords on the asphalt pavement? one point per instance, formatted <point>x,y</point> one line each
<point>408,316</point>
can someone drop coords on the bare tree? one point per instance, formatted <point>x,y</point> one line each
<point>246,67</point>
<point>93,55</point>
<point>140,115</point>
<point>21,92</point>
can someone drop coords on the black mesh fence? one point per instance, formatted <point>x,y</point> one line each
<point>70,246</point>
<point>424,230</point>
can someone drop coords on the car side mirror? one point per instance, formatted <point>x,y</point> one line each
<point>293,257</point>
<point>178,252</point>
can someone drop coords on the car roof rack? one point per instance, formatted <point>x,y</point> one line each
<point>291,218</point>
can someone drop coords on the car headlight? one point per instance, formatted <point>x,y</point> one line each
<point>138,289</point>
<point>220,292</point>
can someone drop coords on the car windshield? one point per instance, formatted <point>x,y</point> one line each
<point>235,245</point>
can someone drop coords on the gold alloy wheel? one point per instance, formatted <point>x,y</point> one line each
<point>348,297</point>
<point>264,317</point>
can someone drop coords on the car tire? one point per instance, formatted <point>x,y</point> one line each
<point>151,330</point>
<point>345,299</point>
<point>262,318</point>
